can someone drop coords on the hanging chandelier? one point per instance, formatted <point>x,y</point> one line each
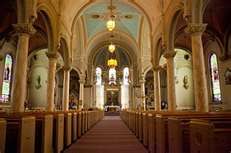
<point>111,48</point>
<point>111,22</point>
<point>112,63</point>
<point>111,25</point>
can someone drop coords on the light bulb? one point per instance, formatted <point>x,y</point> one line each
<point>110,25</point>
<point>111,48</point>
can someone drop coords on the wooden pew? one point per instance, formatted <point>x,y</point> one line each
<point>140,127</point>
<point>210,137</point>
<point>164,140</point>
<point>145,129</point>
<point>2,135</point>
<point>178,130</point>
<point>67,129</point>
<point>151,133</point>
<point>58,132</point>
<point>86,121</point>
<point>20,134</point>
<point>74,126</point>
<point>79,118</point>
<point>161,132</point>
<point>43,131</point>
<point>136,124</point>
<point>89,120</point>
<point>84,127</point>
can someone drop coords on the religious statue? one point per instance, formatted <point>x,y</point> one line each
<point>185,82</point>
<point>38,82</point>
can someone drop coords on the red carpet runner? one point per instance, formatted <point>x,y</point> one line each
<point>108,136</point>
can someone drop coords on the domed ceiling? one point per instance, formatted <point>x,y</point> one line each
<point>128,19</point>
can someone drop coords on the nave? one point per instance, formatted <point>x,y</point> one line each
<point>109,135</point>
<point>164,66</point>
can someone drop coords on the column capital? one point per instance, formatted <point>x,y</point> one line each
<point>157,68</point>
<point>195,28</point>
<point>170,54</point>
<point>52,55</point>
<point>66,68</point>
<point>24,28</point>
<point>142,80</point>
<point>82,80</point>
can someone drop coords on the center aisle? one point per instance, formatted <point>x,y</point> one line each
<point>108,136</point>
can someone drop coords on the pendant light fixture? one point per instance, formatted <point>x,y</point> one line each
<point>111,22</point>
<point>111,47</point>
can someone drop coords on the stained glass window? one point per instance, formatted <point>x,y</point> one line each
<point>98,76</point>
<point>7,78</point>
<point>216,91</point>
<point>112,76</point>
<point>126,76</point>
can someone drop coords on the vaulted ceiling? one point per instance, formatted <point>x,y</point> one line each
<point>128,19</point>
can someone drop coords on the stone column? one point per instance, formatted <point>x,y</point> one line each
<point>20,73</point>
<point>131,90</point>
<point>66,86</point>
<point>94,94</point>
<point>157,93</point>
<point>81,92</point>
<point>171,80</point>
<point>1,70</point>
<point>199,74</point>
<point>142,90</point>
<point>51,80</point>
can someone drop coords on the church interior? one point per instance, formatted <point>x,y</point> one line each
<point>127,76</point>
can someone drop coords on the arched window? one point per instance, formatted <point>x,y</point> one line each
<point>112,76</point>
<point>7,78</point>
<point>98,76</point>
<point>126,76</point>
<point>216,91</point>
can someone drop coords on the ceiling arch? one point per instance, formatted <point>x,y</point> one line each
<point>120,39</point>
<point>128,19</point>
<point>103,55</point>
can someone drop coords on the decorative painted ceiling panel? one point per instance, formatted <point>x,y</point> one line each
<point>127,18</point>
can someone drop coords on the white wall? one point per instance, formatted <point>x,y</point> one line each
<point>39,67</point>
<point>183,72</point>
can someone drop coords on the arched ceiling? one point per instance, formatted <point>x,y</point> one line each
<point>128,19</point>
<point>71,10</point>
<point>102,56</point>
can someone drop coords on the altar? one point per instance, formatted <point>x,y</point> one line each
<point>112,108</point>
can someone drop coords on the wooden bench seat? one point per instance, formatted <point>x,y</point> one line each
<point>162,132</point>
<point>207,136</point>
<point>58,132</point>
<point>2,134</point>
<point>74,126</point>
<point>178,131</point>
<point>79,119</point>
<point>43,131</point>
<point>67,129</point>
<point>20,134</point>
